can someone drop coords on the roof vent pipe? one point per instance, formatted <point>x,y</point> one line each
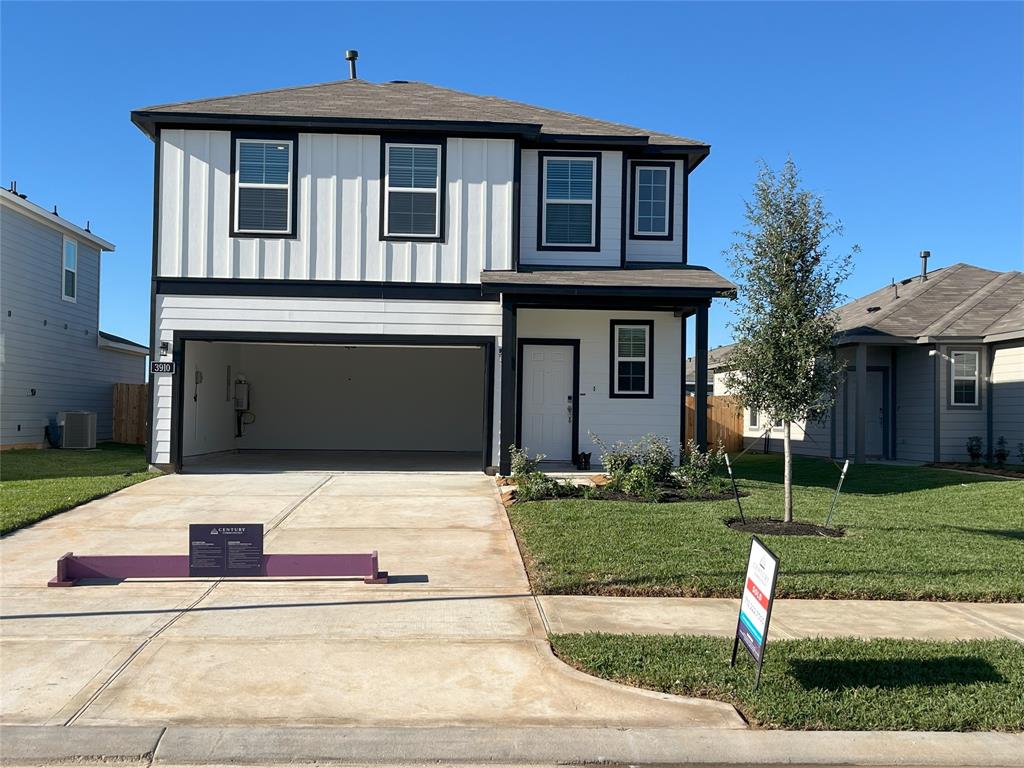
<point>924,264</point>
<point>350,57</point>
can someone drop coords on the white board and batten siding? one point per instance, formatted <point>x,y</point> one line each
<point>611,201</point>
<point>338,214</point>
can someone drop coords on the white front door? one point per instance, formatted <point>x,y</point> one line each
<point>547,417</point>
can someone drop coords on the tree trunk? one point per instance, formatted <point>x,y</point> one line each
<point>787,476</point>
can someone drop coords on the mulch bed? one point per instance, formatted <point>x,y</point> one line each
<point>772,527</point>
<point>668,495</point>
<point>1002,472</point>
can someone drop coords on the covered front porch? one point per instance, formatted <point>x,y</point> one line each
<point>599,353</point>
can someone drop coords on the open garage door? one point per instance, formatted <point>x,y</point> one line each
<point>324,405</point>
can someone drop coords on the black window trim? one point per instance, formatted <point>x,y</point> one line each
<point>293,230</point>
<point>541,156</point>
<point>613,367</point>
<point>442,203</point>
<point>633,166</point>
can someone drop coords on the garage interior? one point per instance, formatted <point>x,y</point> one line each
<point>274,406</point>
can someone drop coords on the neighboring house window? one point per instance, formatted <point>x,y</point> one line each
<point>264,187</point>
<point>651,201</point>
<point>965,378</point>
<point>412,203</point>
<point>69,271</point>
<point>632,352</point>
<point>753,418</point>
<point>569,201</point>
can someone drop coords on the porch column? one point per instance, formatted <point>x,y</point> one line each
<point>507,428</point>
<point>861,401</point>
<point>682,383</point>
<point>700,400</point>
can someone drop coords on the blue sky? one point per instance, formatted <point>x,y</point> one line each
<point>907,118</point>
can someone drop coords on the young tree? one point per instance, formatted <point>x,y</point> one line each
<point>784,363</point>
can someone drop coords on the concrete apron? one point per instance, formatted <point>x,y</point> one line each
<point>457,640</point>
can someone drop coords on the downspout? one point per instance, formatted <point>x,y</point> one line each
<point>936,411</point>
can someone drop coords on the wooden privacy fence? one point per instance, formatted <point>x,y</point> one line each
<point>130,402</point>
<point>725,421</point>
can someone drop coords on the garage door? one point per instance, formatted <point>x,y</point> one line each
<point>337,397</point>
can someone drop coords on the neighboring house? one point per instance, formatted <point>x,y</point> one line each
<point>53,357</point>
<point>935,359</point>
<point>717,366</point>
<point>399,266</point>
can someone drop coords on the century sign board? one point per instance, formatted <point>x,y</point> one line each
<point>225,550</point>
<point>756,603</point>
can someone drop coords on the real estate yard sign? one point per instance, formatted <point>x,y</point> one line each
<point>756,604</point>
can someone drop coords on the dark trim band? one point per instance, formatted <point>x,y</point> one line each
<point>342,289</point>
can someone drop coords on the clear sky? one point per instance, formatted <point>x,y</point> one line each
<point>907,118</point>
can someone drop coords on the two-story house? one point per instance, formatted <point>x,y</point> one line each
<point>53,356</point>
<point>402,267</point>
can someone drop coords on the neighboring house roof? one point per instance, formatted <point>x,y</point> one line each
<point>404,101</point>
<point>38,213</point>
<point>674,281</point>
<point>110,341</point>
<point>717,359</point>
<point>960,302</point>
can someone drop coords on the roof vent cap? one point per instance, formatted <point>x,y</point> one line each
<point>350,56</point>
<point>400,82</point>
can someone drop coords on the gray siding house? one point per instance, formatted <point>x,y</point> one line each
<point>53,357</point>
<point>930,361</point>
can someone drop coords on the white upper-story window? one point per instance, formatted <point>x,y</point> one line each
<point>652,200</point>
<point>69,271</point>
<point>412,203</point>
<point>632,353</point>
<point>753,418</point>
<point>964,379</point>
<point>263,187</point>
<point>569,202</point>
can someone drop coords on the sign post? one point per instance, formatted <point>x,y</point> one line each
<point>756,604</point>
<point>735,490</point>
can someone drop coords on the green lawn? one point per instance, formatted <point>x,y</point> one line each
<point>840,684</point>
<point>38,483</point>
<point>912,533</point>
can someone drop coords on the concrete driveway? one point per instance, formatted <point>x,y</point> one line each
<point>455,640</point>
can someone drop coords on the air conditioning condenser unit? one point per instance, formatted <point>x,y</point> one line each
<point>78,429</point>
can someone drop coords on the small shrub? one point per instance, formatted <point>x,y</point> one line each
<point>699,469</point>
<point>655,456</point>
<point>641,481</point>
<point>616,458</point>
<point>974,449</point>
<point>1001,453</point>
<point>531,483</point>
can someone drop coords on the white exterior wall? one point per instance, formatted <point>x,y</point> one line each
<point>664,251</point>
<point>611,216</point>
<point>1008,395</point>
<point>338,214</point>
<point>310,316</point>
<point>614,419</point>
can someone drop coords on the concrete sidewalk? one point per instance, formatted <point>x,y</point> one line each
<point>182,745</point>
<point>565,614</point>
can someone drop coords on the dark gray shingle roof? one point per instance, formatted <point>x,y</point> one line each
<point>402,100</point>
<point>961,301</point>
